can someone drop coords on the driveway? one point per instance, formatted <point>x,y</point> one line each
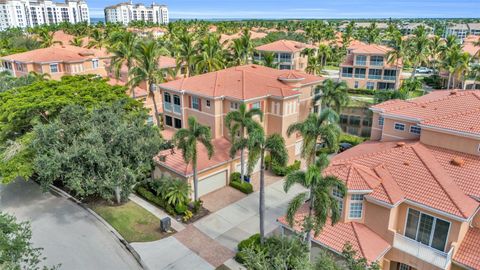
<point>69,234</point>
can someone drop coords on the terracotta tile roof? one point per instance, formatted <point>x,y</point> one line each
<point>454,110</point>
<point>65,38</point>
<point>242,82</point>
<point>413,172</point>
<point>364,241</point>
<point>284,45</point>
<point>59,53</point>
<point>468,254</point>
<point>369,49</point>
<point>174,159</point>
<point>355,176</point>
<point>229,38</point>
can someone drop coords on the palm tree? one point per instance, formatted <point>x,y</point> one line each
<point>463,68</point>
<point>39,76</point>
<point>185,52</point>
<point>322,204</point>
<point>373,33</point>
<point>450,62</point>
<point>324,54</point>
<point>247,45</point>
<point>437,46</point>
<point>237,122</point>
<point>258,145</point>
<point>46,38</point>
<point>77,41</point>
<point>98,39</point>
<point>269,60</point>
<point>476,75</point>
<point>334,95</point>
<point>398,53</point>
<point>147,70</point>
<point>210,57</point>
<point>317,128</point>
<point>123,52</point>
<point>419,48</point>
<point>187,140</point>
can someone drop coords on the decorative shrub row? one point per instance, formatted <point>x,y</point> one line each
<point>244,187</point>
<point>280,170</point>
<point>252,241</point>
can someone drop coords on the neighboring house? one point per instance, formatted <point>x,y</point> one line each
<point>380,25</point>
<point>356,120</point>
<point>57,61</point>
<point>288,54</point>
<point>462,30</point>
<point>474,50</point>
<point>227,40</point>
<point>155,32</point>
<point>366,66</point>
<point>31,13</point>
<point>284,96</point>
<point>409,28</point>
<point>128,12</point>
<point>413,190</point>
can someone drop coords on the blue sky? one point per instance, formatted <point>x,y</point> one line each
<point>267,9</point>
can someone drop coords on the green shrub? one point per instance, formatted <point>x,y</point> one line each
<point>197,205</point>
<point>149,196</point>
<point>268,162</point>
<point>351,139</point>
<point>244,187</point>
<point>180,209</point>
<point>280,170</point>
<point>361,91</point>
<point>235,177</point>
<point>251,242</point>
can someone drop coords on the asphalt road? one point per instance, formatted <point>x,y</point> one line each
<point>69,235</point>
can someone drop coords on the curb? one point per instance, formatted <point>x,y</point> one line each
<point>112,230</point>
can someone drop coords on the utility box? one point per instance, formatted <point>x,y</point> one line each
<point>165,224</point>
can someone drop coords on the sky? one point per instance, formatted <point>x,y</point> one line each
<point>306,9</point>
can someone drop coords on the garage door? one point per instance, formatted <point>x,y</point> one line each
<point>255,169</point>
<point>212,183</point>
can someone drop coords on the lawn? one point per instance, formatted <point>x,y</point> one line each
<point>329,67</point>
<point>133,222</point>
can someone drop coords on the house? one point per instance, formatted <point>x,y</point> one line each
<point>409,28</point>
<point>366,66</point>
<point>284,96</point>
<point>288,54</point>
<point>413,191</point>
<point>57,61</point>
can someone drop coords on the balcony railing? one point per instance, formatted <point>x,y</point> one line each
<point>423,252</point>
<point>389,78</point>
<point>375,77</point>
<point>168,106</point>
<point>360,63</point>
<point>177,109</point>
<point>361,76</point>
<point>347,75</point>
<point>376,63</point>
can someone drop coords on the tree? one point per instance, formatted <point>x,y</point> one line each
<point>398,53</point>
<point>7,81</point>
<point>324,53</point>
<point>355,262</point>
<point>334,95</point>
<point>187,140</point>
<point>147,70</point>
<point>45,38</point>
<point>384,95</point>
<point>24,107</point>
<point>77,41</point>
<point>103,152</point>
<point>185,52</point>
<point>16,249</point>
<point>322,204</point>
<point>123,54</point>
<point>419,48</point>
<point>98,39</point>
<point>268,60</point>
<point>258,144</point>
<point>238,122</point>
<point>210,57</point>
<point>437,47</point>
<point>317,128</point>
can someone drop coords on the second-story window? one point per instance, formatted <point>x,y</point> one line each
<point>256,105</point>
<point>207,102</point>
<point>361,60</point>
<point>196,103</point>
<point>356,206</point>
<point>399,126</point>
<point>381,120</point>
<point>376,60</point>
<point>234,105</point>
<point>53,68</point>
<point>95,63</point>
<point>415,130</point>
<point>339,197</point>
<point>426,229</point>
<point>167,98</point>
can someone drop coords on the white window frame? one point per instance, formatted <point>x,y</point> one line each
<point>234,105</point>
<point>381,120</point>
<point>398,123</point>
<point>355,202</point>
<point>95,63</point>
<point>415,127</point>
<point>195,102</point>
<point>432,232</point>
<point>340,199</point>
<point>55,65</point>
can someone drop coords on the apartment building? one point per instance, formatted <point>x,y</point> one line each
<point>409,28</point>
<point>127,12</point>
<point>356,120</point>
<point>288,54</point>
<point>366,66</point>
<point>57,61</point>
<point>462,30</point>
<point>413,190</point>
<point>284,96</point>
<point>31,13</point>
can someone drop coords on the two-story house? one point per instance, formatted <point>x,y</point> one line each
<point>288,54</point>
<point>414,189</point>
<point>284,96</point>
<point>56,61</point>
<point>366,66</point>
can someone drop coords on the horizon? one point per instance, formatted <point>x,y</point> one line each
<point>308,9</point>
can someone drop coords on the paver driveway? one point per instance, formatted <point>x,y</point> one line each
<point>69,234</point>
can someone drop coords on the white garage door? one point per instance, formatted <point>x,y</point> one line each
<point>212,183</point>
<point>255,169</point>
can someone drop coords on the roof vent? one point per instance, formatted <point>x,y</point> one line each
<point>453,92</point>
<point>406,163</point>
<point>162,158</point>
<point>424,106</point>
<point>254,66</point>
<point>458,161</point>
<point>400,144</point>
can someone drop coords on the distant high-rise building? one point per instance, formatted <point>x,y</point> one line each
<point>30,13</point>
<point>127,12</point>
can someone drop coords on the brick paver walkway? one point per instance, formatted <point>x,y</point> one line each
<point>221,198</point>
<point>207,248</point>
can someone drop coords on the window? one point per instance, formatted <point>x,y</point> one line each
<point>347,72</point>
<point>426,229</point>
<point>207,103</point>
<point>343,119</point>
<point>168,121</point>
<point>167,98</point>
<point>234,105</point>
<point>381,120</point>
<point>370,85</point>
<point>375,74</point>
<point>53,68</point>
<point>176,100</point>
<point>282,67</point>
<point>196,103</point>
<point>95,63</point>
<point>376,60</point>
<point>355,120</point>
<point>415,130</point>
<point>361,60</point>
<point>399,126</point>
<point>339,197</point>
<point>356,206</point>
<point>256,105</point>
<point>355,84</point>
<point>402,266</point>
<point>178,123</point>
<point>360,73</point>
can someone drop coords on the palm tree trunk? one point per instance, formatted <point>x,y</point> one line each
<point>449,80</point>
<point>308,238</point>
<point>242,157</point>
<point>413,71</point>
<point>132,89</point>
<point>195,182</point>
<point>396,75</point>
<point>155,108</point>
<point>262,198</point>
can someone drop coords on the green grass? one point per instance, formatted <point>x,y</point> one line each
<point>133,222</point>
<point>329,67</point>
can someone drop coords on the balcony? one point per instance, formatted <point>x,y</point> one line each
<point>375,77</point>
<point>177,109</point>
<point>376,63</point>
<point>167,106</point>
<point>389,78</point>
<point>360,76</point>
<point>347,75</point>
<point>361,63</point>
<point>423,252</point>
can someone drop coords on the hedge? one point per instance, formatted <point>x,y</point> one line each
<point>244,187</point>
<point>253,240</point>
<point>280,170</point>
<point>351,139</point>
<point>149,196</point>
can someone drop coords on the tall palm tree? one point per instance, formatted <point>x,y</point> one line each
<point>313,66</point>
<point>185,51</point>
<point>322,204</point>
<point>476,75</point>
<point>210,57</point>
<point>98,39</point>
<point>258,145</point>
<point>237,122</point>
<point>437,47</point>
<point>269,60</point>
<point>45,37</point>
<point>450,62</point>
<point>419,48</point>
<point>324,53</point>
<point>187,140</point>
<point>398,53</point>
<point>123,52</point>
<point>147,70</point>
<point>247,45</point>
<point>334,95</point>
<point>317,128</point>
<point>463,68</point>
<point>77,41</point>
